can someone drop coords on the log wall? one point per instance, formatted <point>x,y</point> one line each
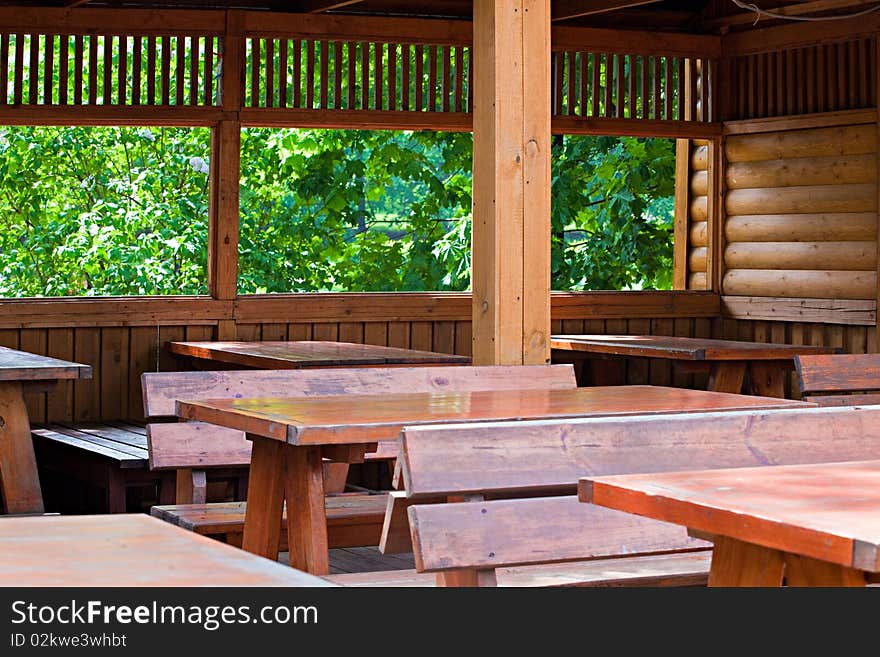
<point>801,213</point>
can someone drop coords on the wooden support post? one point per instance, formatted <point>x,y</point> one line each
<point>877,234</point>
<point>682,203</point>
<point>223,210</point>
<point>511,228</point>
<point>715,226</point>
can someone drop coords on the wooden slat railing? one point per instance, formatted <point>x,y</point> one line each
<point>46,69</point>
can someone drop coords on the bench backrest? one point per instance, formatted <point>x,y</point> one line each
<point>513,464</point>
<point>196,445</point>
<point>831,380</point>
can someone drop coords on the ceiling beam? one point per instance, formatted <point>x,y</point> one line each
<point>317,6</point>
<point>564,10</point>
<point>75,3</point>
<point>798,9</point>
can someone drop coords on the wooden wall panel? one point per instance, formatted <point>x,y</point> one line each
<point>805,80</point>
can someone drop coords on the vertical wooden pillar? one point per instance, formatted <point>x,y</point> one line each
<point>223,209</point>
<point>715,227</point>
<point>681,223</point>
<point>511,226</point>
<point>877,182</point>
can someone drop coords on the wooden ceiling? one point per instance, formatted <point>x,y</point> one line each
<point>670,15</point>
<point>658,14</point>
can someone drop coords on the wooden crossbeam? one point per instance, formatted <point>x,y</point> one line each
<point>796,9</point>
<point>76,3</point>
<point>317,6</point>
<point>564,10</point>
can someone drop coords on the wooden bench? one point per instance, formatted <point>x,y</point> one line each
<point>193,448</point>
<point>840,380</point>
<point>94,465</point>
<point>509,490</point>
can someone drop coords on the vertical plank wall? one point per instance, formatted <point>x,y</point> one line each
<point>120,354</point>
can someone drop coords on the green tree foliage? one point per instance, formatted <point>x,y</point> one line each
<point>612,213</point>
<point>351,210</point>
<point>105,211</point>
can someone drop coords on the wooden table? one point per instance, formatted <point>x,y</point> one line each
<point>309,353</point>
<point>22,372</point>
<point>290,437</point>
<point>726,361</point>
<point>128,550</point>
<point>814,525</point>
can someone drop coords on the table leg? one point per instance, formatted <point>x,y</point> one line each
<point>262,521</point>
<point>735,563</point>
<point>727,376</point>
<point>306,513</point>
<point>19,481</point>
<point>804,571</point>
<point>767,378</point>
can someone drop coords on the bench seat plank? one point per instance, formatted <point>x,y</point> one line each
<point>674,569</point>
<point>352,520</point>
<point>84,442</point>
<point>109,432</point>
<point>92,438</point>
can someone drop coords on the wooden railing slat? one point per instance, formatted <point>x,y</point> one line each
<point>77,69</point>
<point>282,73</point>
<point>324,80</point>
<point>337,75</point>
<point>33,69</point>
<point>378,77</point>
<point>445,85</point>
<point>432,78</point>
<point>269,96</point>
<point>48,68</point>
<point>420,64</point>
<point>365,75</point>
<point>351,50</point>
<point>136,57</point>
<point>4,69</point>
<point>151,70</point>
<point>296,56</point>
<point>405,81</point>
<point>93,69</point>
<point>310,74</point>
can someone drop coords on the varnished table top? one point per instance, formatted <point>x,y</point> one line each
<point>128,550</point>
<point>829,512</point>
<point>679,348</point>
<point>352,419</point>
<point>23,366</point>
<point>309,353</point>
